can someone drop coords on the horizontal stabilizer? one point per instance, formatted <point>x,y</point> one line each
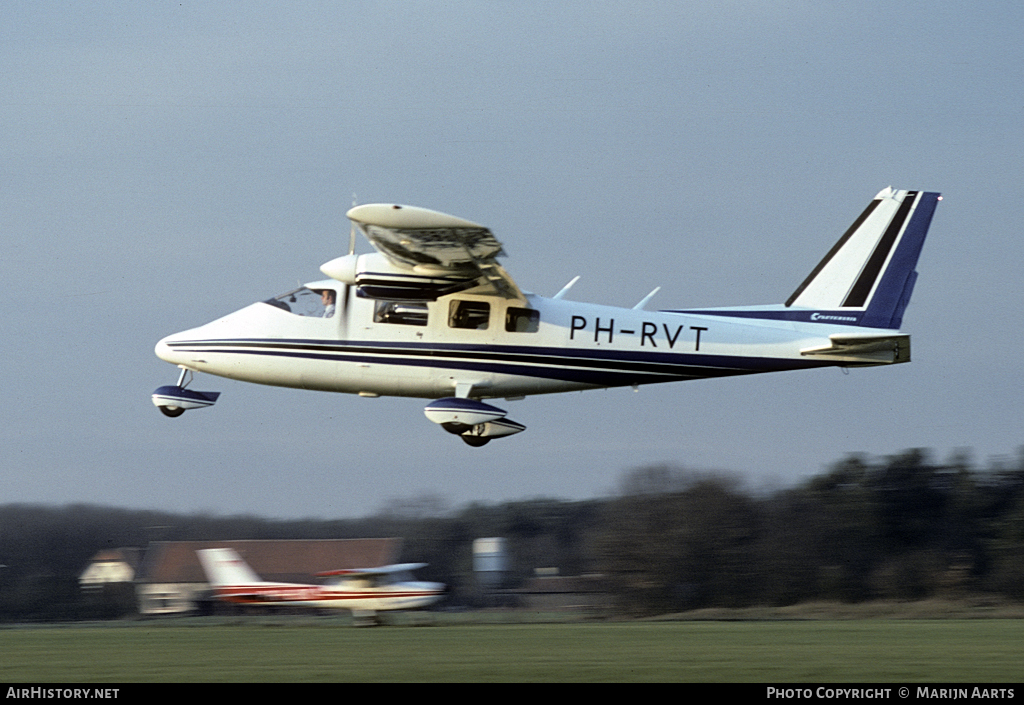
<point>864,350</point>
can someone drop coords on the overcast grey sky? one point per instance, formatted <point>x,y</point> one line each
<point>165,163</point>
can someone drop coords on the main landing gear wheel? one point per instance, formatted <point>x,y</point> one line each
<point>172,411</point>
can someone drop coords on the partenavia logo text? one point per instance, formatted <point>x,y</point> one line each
<point>831,317</point>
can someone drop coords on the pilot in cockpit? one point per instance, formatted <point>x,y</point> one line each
<point>327,297</point>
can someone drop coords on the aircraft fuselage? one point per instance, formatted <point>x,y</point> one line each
<point>549,345</point>
<point>397,596</point>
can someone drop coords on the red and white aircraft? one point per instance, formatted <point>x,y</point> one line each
<point>363,591</point>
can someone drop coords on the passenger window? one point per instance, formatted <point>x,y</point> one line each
<point>522,320</point>
<point>400,312</point>
<point>469,314</point>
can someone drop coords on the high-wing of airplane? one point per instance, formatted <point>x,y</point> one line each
<point>363,591</point>
<point>432,314</point>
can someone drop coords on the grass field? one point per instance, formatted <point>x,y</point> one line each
<point>889,651</point>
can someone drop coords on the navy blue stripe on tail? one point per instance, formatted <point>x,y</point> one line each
<point>892,295</point>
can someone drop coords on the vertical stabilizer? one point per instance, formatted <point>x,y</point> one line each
<point>868,276</point>
<point>223,567</point>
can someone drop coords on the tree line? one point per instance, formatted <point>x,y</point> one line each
<point>901,527</point>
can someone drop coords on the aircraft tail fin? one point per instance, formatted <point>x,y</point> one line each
<point>223,566</point>
<point>867,277</point>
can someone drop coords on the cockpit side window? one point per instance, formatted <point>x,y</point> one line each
<point>311,303</point>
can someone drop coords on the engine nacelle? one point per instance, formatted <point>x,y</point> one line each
<point>377,278</point>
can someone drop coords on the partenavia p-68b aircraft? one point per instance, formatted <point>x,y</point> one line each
<point>432,314</point>
<point>363,591</point>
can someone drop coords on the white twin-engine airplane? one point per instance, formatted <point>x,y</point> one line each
<point>363,591</point>
<point>432,314</point>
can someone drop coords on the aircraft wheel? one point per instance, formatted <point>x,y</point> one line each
<point>172,411</point>
<point>475,441</point>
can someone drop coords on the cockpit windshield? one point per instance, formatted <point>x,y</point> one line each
<point>313,303</point>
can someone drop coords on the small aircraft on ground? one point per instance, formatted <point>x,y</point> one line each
<point>363,591</point>
<point>432,314</point>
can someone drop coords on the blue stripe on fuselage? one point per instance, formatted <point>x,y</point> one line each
<point>843,317</point>
<point>598,367</point>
